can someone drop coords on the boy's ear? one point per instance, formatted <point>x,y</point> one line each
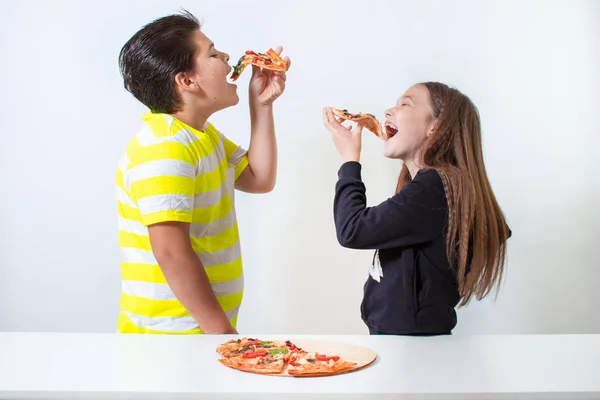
<point>186,83</point>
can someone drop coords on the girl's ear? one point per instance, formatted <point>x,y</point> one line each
<point>432,127</point>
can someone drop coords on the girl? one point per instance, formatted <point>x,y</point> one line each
<point>440,240</point>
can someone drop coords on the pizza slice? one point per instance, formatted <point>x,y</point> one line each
<point>260,361</point>
<point>260,357</point>
<point>304,363</point>
<point>269,60</point>
<point>369,121</point>
<point>237,347</point>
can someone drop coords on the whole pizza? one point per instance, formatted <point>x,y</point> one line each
<point>279,357</point>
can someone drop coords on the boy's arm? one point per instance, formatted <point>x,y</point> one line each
<point>185,274</point>
<point>264,88</point>
<point>261,173</point>
<point>162,183</point>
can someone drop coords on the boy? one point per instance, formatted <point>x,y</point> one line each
<point>181,265</point>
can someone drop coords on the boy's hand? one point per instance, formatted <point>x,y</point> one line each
<point>266,85</point>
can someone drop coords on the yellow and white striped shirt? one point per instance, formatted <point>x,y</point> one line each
<point>173,172</point>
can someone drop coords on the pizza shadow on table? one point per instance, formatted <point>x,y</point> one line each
<point>294,359</point>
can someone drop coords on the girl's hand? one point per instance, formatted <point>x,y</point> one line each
<point>347,141</point>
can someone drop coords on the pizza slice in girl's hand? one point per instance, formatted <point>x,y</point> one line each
<point>269,60</point>
<point>303,363</point>
<point>369,121</point>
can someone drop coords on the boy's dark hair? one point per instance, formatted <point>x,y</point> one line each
<point>153,56</point>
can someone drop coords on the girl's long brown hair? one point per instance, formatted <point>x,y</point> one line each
<point>477,231</point>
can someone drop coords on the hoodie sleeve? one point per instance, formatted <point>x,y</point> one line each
<point>417,214</point>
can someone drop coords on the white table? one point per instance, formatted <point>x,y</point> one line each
<point>113,366</point>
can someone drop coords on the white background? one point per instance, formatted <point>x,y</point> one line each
<point>531,67</point>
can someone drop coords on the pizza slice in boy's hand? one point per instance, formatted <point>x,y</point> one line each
<point>269,60</point>
<point>368,120</point>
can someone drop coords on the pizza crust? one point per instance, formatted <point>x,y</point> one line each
<point>321,370</point>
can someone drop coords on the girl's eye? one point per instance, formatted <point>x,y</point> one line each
<point>214,55</point>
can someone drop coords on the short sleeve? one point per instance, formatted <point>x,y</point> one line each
<point>161,180</point>
<point>236,155</point>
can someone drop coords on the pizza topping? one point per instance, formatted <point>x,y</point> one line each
<point>279,351</point>
<point>292,346</point>
<point>243,349</point>
<point>323,357</point>
<point>254,354</point>
<point>269,360</point>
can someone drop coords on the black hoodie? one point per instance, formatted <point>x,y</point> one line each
<point>418,291</point>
